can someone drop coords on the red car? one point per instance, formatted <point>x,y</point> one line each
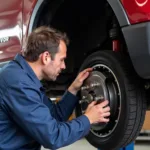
<point>112,36</point>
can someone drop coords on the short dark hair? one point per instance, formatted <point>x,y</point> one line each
<point>43,39</point>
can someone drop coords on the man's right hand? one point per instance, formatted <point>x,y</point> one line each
<point>97,113</point>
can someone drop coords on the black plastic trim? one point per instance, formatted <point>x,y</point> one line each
<point>137,38</point>
<point>119,12</point>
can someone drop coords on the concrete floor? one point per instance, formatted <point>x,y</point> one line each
<point>84,145</point>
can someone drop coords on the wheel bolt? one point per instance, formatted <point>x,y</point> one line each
<point>80,102</point>
<point>94,85</point>
<point>83,97</point>
<point>85,87</point>
<point>99,98</point>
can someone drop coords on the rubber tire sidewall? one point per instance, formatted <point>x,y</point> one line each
<point>109,59</point>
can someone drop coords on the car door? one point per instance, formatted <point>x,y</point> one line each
<point>10,29</point>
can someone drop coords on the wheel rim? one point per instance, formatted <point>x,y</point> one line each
<point>102,84</point>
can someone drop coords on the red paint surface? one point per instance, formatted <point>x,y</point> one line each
<point>10,26</point>
<point>137,10</point>
<point>15,17</point>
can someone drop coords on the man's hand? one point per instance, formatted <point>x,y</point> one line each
<point>97,113</point>
<point>76,85</point>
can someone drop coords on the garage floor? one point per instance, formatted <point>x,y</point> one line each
<point>84,145</point>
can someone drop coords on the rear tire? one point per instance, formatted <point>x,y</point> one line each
<point>122,87</point>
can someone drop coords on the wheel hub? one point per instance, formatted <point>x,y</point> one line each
<point>99,86</point>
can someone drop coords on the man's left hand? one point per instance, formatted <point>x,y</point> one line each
<point>76,85</point>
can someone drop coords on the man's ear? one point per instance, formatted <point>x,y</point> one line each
<point>46,57</point>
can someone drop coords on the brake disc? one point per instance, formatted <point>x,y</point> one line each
<point>99,86</point>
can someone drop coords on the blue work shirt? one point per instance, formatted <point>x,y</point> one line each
<point>28,118</point>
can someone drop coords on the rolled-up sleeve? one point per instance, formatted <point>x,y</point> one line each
<point>34,117</point>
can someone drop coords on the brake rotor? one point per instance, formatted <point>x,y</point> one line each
<point>100,86</point>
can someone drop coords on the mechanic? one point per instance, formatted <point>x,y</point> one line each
<point>28,118</point>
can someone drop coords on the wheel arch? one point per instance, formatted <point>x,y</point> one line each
<point>93,35</point>
<point>119,12</point>
<point>37,11</point>
<point>34,15</point>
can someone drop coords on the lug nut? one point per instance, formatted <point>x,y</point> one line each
<point>95,84</point>
<point>99,98</point>
<point>85,87</point>
<point>83,97</point>
<point>80,101</point>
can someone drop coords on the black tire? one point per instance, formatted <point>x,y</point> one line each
<point>130,103</point>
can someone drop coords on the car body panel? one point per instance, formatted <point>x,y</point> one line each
<point>17,19</point>
<point>137,10</point>
<point>10,28</point>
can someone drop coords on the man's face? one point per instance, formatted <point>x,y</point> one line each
<point>57,64</point>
